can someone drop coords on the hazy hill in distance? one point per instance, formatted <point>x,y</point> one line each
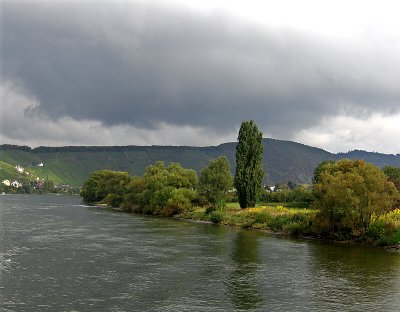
<point>283,160</point>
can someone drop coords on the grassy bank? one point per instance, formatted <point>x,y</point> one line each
<point>300,222</point>
<point>273,217</point>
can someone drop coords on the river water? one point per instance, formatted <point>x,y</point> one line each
<point>59,255</point>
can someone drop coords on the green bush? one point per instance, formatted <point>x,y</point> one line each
<point>383,233</point>
<point>376,230</point>
<point>296,228</point>
<point>262,217</point>
<point>210,209</point>
<point>279,222</point>
<point>179,200</point>
<point>393,239</point>
<point>216,217</point>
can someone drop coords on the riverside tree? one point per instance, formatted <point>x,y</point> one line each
<point>350,194</point>
<point>105,183</point>
<point>215,180</point>
<point>163,190</point>
<point>249,171</point>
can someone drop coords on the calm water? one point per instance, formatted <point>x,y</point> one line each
<point>59,255</point>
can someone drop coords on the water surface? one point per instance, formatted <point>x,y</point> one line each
<point>59,255</point>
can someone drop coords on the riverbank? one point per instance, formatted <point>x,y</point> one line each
<point>290,222</point>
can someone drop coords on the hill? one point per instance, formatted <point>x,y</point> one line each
<point>283,160</point>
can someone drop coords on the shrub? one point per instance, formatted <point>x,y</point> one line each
<point>393,239</point>
<point>296,228</point>
<point>210,209</point>
<point>376,230</point>
<point>216,217</point>
<point>179,200</point>
<point>262,217</point>
<point>279,222</point>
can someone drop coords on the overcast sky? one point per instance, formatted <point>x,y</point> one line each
<point>184,72</point>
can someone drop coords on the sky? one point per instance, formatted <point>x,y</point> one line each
<point>184,72</point>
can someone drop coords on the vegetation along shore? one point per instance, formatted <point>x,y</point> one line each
<point>347,200</point>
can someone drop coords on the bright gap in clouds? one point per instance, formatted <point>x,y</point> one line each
<point>340,18</point>
<point>343,133</point>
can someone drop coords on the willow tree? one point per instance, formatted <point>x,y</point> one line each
<point>350,194</point>
<point>249,170</point>
<point>216,180</point>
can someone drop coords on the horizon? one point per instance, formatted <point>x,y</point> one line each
<point>187,73</point>
<point>196,146</point>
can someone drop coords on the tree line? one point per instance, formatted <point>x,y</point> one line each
<point>350,195</point>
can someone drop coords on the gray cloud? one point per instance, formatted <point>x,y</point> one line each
<point>142,65</point>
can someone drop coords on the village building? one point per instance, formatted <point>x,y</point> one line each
<point>19,169</point>
<point>16,184</point>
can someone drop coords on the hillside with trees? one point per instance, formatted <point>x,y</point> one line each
<point>283,161</point>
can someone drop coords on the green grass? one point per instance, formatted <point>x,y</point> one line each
<point>294,221</point>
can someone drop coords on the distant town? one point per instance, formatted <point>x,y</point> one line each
<point>30,183</point>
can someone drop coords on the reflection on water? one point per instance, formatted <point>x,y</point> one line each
<point>241,284</point>
<point>357,275</point>
<point>58,255</point>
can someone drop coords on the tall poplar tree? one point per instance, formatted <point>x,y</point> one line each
<point>249,170</point>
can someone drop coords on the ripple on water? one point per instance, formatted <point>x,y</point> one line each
<point>71,257</point>
<point>7,258</point>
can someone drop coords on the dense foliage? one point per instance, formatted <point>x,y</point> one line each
<point>298,196</point>
<point>350,195</point>
<point>163,190</point>
<point>216,180</point>
<point>103,183</point>
<point>393,174</point>
<point>249,170</point>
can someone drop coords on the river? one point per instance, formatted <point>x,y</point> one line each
<point>57,254</point>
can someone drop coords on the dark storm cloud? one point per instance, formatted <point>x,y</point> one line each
<point>143,65</point>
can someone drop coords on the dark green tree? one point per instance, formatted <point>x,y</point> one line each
<point>215,180</point>
<point>249,170</point>
<point>102,183</point>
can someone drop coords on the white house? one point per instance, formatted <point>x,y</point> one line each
<point>6,182</point>
<point>16,184</point>
<point>40,164</point>
<point>19,169</point>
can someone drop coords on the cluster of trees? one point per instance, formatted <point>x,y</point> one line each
<point>163,189</point>
<point>168,190</point>
<point>297,195</point>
